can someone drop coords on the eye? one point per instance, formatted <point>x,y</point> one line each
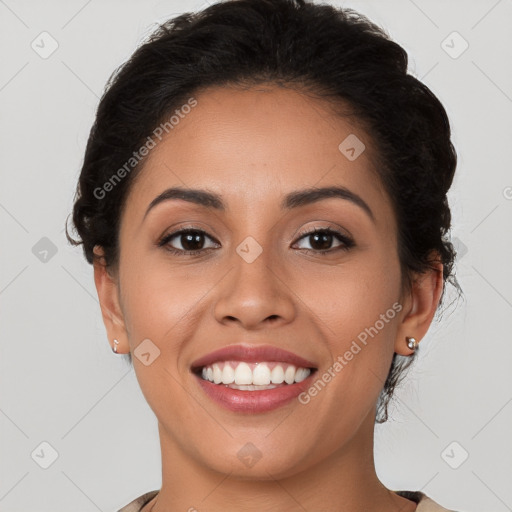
<point>191,241</point>
<point>322,238</point>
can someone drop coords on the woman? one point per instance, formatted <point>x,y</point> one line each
<point>263,199</point>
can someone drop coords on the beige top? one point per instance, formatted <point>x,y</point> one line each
<point>425,504</point>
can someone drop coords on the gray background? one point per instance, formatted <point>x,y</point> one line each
<point>60,382</point>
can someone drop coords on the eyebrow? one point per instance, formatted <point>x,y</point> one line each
<point>294,199</point>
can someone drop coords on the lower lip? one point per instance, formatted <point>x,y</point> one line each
<point>239,400</point>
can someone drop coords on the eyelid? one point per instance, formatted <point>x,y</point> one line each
<point>342,235</point>
<point>188,226</point>
<point>327,226</point>
<point>297,233</point>
<point>346,240</point>
<point>164,239</point>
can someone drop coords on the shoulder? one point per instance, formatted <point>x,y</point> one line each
<point>425,504</point>
<point>137,504</point>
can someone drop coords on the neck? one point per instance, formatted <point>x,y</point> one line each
<point>344,481</point>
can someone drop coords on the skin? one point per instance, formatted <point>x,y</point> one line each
<point>253,147</point>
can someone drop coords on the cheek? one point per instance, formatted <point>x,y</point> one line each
<point>358,323</point>
<point>155,300</point>
<point>351,297</point>
<point>357,313</point>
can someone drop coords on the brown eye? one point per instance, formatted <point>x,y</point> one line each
<point>191,241</point>
<point>321,240</point>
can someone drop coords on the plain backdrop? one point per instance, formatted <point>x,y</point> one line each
<point>68,403</point>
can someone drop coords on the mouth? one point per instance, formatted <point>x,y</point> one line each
<point>253,376</point>
<point>253,379</point>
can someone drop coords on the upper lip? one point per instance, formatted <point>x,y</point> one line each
<point>252,354</point>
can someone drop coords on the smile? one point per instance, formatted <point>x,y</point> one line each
<point>252,378</point>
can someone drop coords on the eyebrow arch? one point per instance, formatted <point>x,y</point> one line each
<point>294,199</point>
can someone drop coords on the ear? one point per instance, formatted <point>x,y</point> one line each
<point>420,306</point>
<point>106,286</point>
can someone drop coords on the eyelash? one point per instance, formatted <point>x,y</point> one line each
<point>348,243</point>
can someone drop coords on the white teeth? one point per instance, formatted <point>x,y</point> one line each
<point>301,374</point>
<point>261,375</point>
<point>289,375</point>
<point>228,374</point>
<point>217,374</point>
<point>243,374</point>
<point>277,374</point>
<point>251,376</point>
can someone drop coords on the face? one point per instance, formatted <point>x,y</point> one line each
<point>260,276</point>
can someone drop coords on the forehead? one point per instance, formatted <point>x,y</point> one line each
<point>258,144</point>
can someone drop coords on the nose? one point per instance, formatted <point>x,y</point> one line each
<point>255,295</point>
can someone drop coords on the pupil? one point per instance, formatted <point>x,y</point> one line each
<point>190,240</point>
<point>325,242</point>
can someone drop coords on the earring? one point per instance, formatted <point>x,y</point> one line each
<point>411,343</point>
<point>115,346</point>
